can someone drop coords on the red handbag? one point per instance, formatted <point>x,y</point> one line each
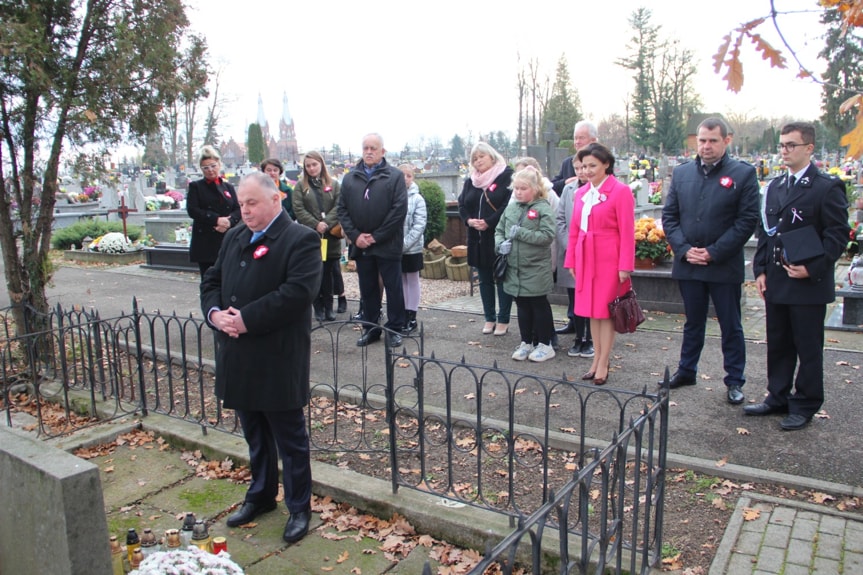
<point>626,313</point>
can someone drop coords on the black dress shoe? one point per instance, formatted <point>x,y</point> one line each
<point>735,395</point>
<point>394,339</point>
<point>329,315</point>
<point>763,409</point>
<point>248,512</point>
<point>568,328</point>
<point>678,380</point>
<point>794,421</point>
<point>297,526</point>
<point>343,304</point>
<point>369,336</point>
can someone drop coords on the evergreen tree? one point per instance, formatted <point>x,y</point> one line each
<point>564,103</point>
<point>843,52</point>
<point>640,60</point>
<point>255,144</point>
<point>456,149</point>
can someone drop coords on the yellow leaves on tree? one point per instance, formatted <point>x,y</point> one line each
<point>728,57</point>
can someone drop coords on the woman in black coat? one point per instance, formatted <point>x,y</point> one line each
<point>481,204</point>
<point>212,204</point>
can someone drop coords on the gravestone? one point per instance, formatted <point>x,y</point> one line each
<point>52,512</point>
<point>642,193</point>
<point>663,168</point>
<point>110,198</point>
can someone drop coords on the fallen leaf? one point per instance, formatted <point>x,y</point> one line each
<point>722,462</point>
<point>818,497</point>
<point>343,557</point>
<point>822,415</point>
<point>719,503</point>
<point>742,431</point>
<point>470,396</point>
<point>705,376</point>
<point>750,514</point>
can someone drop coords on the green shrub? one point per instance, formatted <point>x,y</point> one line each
<point>435,199</point>
<point>63,238</point>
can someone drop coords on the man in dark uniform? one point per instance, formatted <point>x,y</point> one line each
<point>795,276</point>
<point>710,213</point>
<point>258,297</point>
<point>372,209</point>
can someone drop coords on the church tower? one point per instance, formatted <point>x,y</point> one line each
<point>287,145</point>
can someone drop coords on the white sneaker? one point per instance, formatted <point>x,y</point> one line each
<point>522,352</point>
<point>541,352</point>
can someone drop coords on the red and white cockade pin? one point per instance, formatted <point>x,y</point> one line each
<point>726,182</point>
<point>260,252</point>
<point>227,194</point>
<point>492,187</point>
<point>531,214</point>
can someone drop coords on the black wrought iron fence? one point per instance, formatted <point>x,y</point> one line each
<point>555,455</point>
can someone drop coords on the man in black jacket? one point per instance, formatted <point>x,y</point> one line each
<point>258,298</point>
<point>372,209</point>
<point>584,133</point>
<point>795,276</point>
<point>710,213</point>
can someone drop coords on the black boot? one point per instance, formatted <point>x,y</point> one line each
<point>328,309</point>
<point>343,304</point>
<point>319,310</point>
<point>410,322</point>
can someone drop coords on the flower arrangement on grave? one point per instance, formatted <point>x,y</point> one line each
<point>853,247</point>
<point>93,193</point>
<point>650,242</point>
<point>191,560</point>
<point>655,196</point>
<point>176,196</point>
<point>112,243</point>
<point>152,204</point>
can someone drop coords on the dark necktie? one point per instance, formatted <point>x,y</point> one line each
<point>791,181</point>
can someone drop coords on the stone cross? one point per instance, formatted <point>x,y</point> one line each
<point>123,211</point>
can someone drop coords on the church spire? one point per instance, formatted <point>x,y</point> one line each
<point>286,113</point>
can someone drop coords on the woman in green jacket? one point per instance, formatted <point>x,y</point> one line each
<point>315,200</point>
<point>525,232</point>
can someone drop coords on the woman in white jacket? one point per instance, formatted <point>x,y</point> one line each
<point>412,254</point>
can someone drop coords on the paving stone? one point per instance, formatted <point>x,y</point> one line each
<point>852,562</point>
<point>740,563</point>
<point>127,474</point>
<point>834,525</point>
<point>823,566</point>
<point>804,529</point>
<point>809,516</point>
<point>791,569</point>
<point>748,543</point>
<point>853,540</point>
<point>783,515</point>
<point>799,552</point>
<point>777,535</point>
<point>770,559</point>
<point>829,546</point>
<point>761,523</point>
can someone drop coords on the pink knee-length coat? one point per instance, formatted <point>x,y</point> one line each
<point>607,247</point>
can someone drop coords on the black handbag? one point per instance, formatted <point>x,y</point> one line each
<point>500,267</point>
<point>626,313</point>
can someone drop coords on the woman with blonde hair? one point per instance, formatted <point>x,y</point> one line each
<point>483,199</point>
<point>212,204</point>
<point>315,199</point>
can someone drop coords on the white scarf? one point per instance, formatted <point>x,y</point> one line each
<point>591,198</point>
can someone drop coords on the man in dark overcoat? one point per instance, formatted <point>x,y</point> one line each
<point>804,202</point>
<point>258,297</point>
<point>710,213</point>
<point>372,209</point>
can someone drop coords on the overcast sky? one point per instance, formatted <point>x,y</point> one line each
<point>412,70</point>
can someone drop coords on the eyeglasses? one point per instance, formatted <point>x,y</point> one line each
<point>210,167</point>
<point>789,146</point>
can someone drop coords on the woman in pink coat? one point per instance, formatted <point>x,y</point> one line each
<point>601,250</point>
